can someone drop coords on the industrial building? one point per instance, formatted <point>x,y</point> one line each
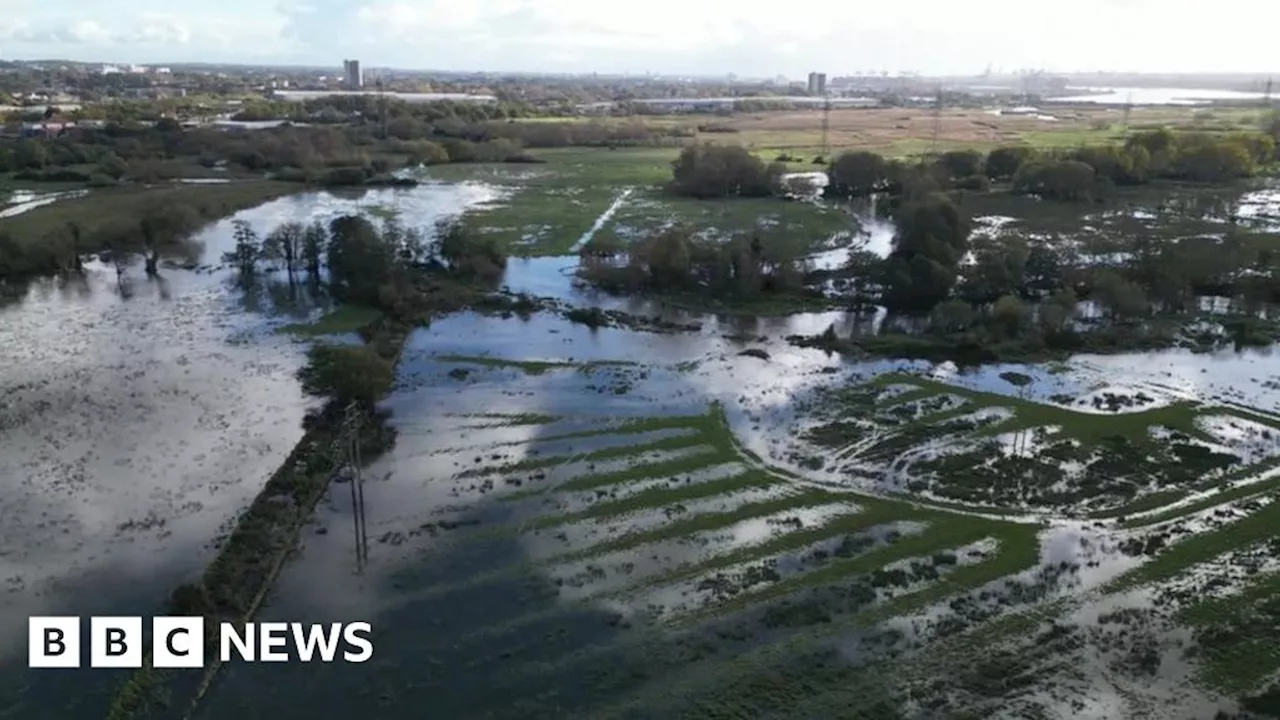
<point>352,78</point>
<point>817,83</point>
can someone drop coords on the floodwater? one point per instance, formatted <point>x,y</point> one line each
<point>143,428</point>
<point>1153,96</point>
<point>138,420</point>
<point>21,201</point>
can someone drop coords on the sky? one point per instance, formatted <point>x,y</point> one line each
<point>757,38</point>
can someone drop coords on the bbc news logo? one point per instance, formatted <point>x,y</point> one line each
<point>178,642</point>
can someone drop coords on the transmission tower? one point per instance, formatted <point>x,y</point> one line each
<point>937,121</point>
<point>1266,96</point>
<point>1128,110</point>
<point>826,124</point>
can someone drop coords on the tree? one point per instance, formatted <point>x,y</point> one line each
<point>1003,162</point>
<point>1009,317</point>
<point>855,174</point>
<point>247,252</point>
<point>164,227</point>
<point>465,254</point>
<point>666,257</point>
<point>932,237</point>
<point>1056,311</point>
<point>1121,165</point>
<point>996,271</point>
<point>346,373</point>
<point>961,163</point>
<point>1058,180</point>
<point>712,171</point>
<point>314,240</point>
<point>359,261</point>
<point>285,243</point>
<point>31,154</point>
<point>1203,158</point>
<point>952,316</point>
<point>113,166</point>
<point>1120,297</point>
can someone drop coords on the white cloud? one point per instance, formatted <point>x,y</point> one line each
<point>160,29</point>
<point>84,31</point>
<point>759,37</point>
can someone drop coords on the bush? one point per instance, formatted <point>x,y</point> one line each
<point>978,183</point>
<point>293,174</point>
<point>428,153</point>
<point>1003,163</point>
<point>345,176</point>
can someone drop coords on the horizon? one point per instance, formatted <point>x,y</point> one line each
<point>664,37</point>
<point>800,77</point>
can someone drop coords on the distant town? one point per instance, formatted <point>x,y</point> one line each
<point>51,96</point>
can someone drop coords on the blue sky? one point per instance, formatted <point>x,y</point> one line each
<point>749,37</point>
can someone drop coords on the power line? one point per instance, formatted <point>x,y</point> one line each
<point>349,443</point>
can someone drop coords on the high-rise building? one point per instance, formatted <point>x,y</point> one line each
<point>351,70</point>
<point>817,83</point>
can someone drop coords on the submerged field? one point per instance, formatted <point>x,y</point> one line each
<point>701,522</point>
<point>621,524</point>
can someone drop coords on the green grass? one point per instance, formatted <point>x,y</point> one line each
<point>1088,428</point>
<point>530,367</point>
<point>1219,498</point>
<point>795,228</point>
<point>1202,547</point>
<point>344,319</point>
<point>124,205</point>
<point>1240,632</point>
<point>943,532</point>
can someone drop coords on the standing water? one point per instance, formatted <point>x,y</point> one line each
<point>138,419</point>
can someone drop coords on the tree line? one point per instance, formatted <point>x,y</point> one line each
<point>678,260</point>
<point>1083,173</point>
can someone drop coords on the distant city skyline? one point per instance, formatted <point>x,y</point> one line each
<point>693,37</point>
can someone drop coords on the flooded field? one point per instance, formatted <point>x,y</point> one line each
<point>615,522</point>
<point>138,419</point>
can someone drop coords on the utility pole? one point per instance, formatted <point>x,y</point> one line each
<point>1128,110</point>
<point>1266,96</point>
<point>351,434</point>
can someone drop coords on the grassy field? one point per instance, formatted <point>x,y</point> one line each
<point>551,207</point>
<point>109,206</point>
